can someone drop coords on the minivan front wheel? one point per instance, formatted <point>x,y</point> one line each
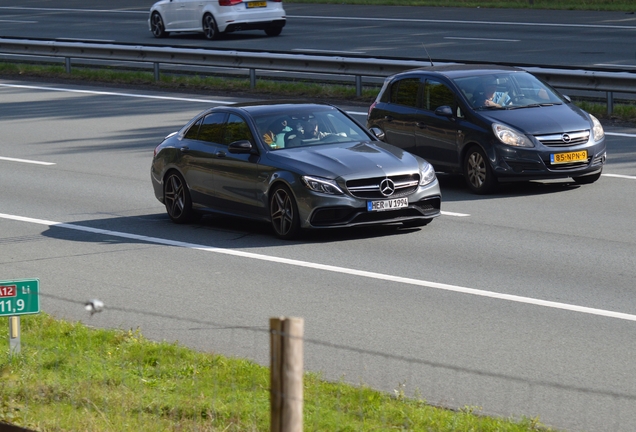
<point>477,172</point>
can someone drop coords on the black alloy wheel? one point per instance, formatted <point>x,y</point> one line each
<point>477,171</point>
<point>284,213</point>
<point>176,197</point>
<point>210,30</point>
<point>273,31</point>
<point>156,25</point>
<point>588,179</point>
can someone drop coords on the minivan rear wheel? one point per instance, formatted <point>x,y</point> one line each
<point>477,172</point>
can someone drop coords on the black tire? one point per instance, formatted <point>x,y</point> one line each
<point>416,223</point>
<point>176,198</point>
<point>477,172</point>
<point>588,179</point>
<point>284,213</point>
<point>273,31</point>
<point>210,30</point>
<point>156,26</point>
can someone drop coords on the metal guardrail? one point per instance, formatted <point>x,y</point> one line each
<point>358,67</point>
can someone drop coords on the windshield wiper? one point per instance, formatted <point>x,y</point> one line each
<point>492,108</point>
<point>535,105</point>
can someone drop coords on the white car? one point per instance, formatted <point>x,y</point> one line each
<point>214,17</point>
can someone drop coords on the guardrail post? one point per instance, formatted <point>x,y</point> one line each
<point>252,79</point>
<point>358,85</point>
<point>156,68</point>
<point>67,64</point>
<point>610,103</point>
<point>286,374</point>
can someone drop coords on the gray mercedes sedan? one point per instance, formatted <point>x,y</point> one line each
<point>296,165</point>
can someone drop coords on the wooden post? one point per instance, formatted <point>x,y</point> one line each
<point>286,374</point>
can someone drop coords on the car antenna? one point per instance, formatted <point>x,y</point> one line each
<point>427,55</point>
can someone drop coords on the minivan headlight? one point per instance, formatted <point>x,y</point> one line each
<point>510,136</point>
<point>427,174</point>
<point>597,129</point>
<point>322,185</point>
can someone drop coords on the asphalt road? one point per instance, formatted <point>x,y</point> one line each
<point>520,302</point>
<point>487,338</point>
<point>523,37</point>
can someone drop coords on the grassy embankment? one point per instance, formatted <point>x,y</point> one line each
<point>69,377</point>
<point>338,93</point>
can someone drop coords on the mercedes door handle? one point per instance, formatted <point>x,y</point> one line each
<point>184,149</point>
<point>220,154</point>
<point>421,125</point>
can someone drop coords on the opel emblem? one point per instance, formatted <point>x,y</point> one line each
<point>566,138</point>
<point>387,187</point>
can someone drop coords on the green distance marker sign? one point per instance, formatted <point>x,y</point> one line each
<point>19,297</point>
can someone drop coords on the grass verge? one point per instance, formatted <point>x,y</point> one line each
<point>70,377</point>
<point>623,113</point>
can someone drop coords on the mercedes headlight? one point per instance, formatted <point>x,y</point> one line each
<point>427,174</point>
<point>597,130</point>
<point>510,136</point>
<point>322,185</point>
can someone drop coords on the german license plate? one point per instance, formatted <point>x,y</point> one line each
<point>256,4</point>
<point>561,158</point>
<point>392,204</point>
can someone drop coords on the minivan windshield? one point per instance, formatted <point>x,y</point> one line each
<point>507,90</point>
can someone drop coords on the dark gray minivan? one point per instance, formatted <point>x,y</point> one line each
<point>490,123</point>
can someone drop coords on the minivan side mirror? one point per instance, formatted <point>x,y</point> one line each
<point>444,111</point>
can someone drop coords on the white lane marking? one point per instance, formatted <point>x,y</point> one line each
<point>483,39</point>
<point>620,176</point>
<point>621,134</point>
<point>105,93</point>
<point>455,214</point>
<point>71,10</point>
<point>333,269</point>
<point>18,22</point>
<point>442,21</point>
<point>26,161</point>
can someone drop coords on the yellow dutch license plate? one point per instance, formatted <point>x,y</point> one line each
<point>561,158</point>
<point>257,4</point>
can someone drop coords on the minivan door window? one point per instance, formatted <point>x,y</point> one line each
<point>436,136</point>
<point>399,125</point>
